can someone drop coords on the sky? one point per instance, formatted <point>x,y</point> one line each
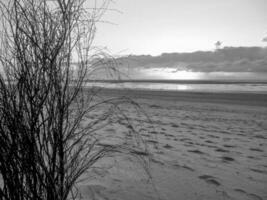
<point>157,26</point>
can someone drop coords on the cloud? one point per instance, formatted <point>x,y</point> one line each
<point>264,39</point>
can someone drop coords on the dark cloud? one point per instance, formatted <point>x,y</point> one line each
<point>264,39</point>
<point>227,59</point>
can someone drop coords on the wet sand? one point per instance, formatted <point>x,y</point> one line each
<point>257,99</point>
<point>203,146</point>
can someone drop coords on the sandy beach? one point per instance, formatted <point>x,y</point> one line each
<point>203,146</point>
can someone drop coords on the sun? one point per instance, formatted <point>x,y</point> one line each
<point>182,75</point>
<point>172,74</point>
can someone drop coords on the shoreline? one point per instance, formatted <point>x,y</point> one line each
<point>254,99</point>
<point>167,81</point>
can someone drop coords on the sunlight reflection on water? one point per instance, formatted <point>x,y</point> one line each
<point>168,73</point>
<point>174,74</point>
<point>234,88</point>
<point>249,81</point>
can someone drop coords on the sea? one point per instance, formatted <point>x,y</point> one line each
<point>173,80</point>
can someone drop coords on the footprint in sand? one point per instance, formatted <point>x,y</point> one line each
<point>229,146</point>
<point>167,146</point>
<point>256,149</point>
<point>188,168</point>
<point>260,137</point>
<point>155,106</point>
<point>250,195</point>
<point>252,157</point>
<point>169,135</point>
<point>258,171</point>
<point>176,165</point>
<point>227,159</point>
<point>209,141</point>
<point>254,197</point>
<point>174,125</point>
<point>153,132</point>
<point>213,136</point>
<point>152,141</point>
<point>157,161</point>
<point>185,139</point>
<point>210,180</point>
<point>221,150</point>
<point>196,151</point>
<point>240,191</point>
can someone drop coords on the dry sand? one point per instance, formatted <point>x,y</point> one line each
<point>204,146</point>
